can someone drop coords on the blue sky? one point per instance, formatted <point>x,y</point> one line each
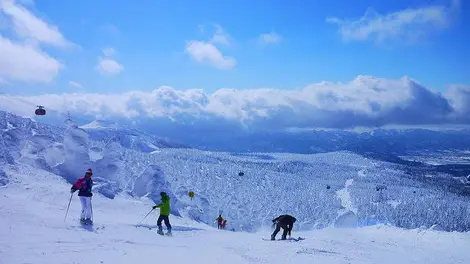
<point>148,44</point>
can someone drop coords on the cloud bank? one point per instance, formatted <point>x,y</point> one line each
<point>364,102</point>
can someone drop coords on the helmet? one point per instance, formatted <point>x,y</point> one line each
<point>163,194</point>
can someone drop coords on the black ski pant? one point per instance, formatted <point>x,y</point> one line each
<point>163,218</point>
<point>278,228</point>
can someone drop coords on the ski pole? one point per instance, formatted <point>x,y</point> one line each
<point>145,217</point>
<point>68,206</point>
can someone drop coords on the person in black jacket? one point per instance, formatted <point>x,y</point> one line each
<point>83,185</point>
<point>286,222</point>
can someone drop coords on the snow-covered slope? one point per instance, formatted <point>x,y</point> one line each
<point>34,203</point>
<point>298,184</point>
<point>272,183</point>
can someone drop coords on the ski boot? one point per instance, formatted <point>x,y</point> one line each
<point>160,231</point>
<point>273,237</point>
<point>169,232</point>
<point>82,221</point>
<point>88,221</point>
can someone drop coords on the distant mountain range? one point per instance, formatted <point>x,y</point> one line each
<point>383,141</point>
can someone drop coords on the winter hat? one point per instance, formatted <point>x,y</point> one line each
<point>89,171</point>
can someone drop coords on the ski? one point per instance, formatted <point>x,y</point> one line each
<point>289,239</point>
<point>164,234</point>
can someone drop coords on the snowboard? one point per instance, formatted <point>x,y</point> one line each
<point>288,239</point>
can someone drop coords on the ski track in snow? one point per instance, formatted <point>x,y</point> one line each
<point>33,230</point>
<point>345,197</point>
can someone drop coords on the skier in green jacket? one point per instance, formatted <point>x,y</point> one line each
<point>164,206</point>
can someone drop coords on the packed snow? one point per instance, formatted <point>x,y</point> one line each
<point>33,208</point>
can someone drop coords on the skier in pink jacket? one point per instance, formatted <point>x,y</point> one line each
<point>83,185</point>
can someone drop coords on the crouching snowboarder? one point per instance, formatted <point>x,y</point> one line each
<point>83,185</point>
<point>164,206</point>
<point>286,222</point>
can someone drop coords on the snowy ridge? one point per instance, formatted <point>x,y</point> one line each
<point>101,124</point>
<point>104,130</point>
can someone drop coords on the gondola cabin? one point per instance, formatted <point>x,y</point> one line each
<point>40,111</point>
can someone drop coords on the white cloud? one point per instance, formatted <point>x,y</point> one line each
<point>109,52</point>
<point>363,102</point>
<point>108,66</point>
<point>23,62</point>
<point>269,38</point>
<point>220,37</point>
<point>409,25</point>
<point>206,52</point>
<point>22,59</point>
<point>75,84</point>
<point>30,27</point>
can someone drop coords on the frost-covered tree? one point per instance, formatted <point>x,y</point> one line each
<point>111,166</point>
<point>151,182</point>
<point>5,157</point>
<point>77,158</point>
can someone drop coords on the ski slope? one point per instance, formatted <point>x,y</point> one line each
<point>321,190</point>
<point>33,205</point>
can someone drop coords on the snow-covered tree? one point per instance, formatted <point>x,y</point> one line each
<point>77,158</point>
<point>151,182</point>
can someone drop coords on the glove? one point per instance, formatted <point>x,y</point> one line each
<point>155,207</point>
<point>72,190</point>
